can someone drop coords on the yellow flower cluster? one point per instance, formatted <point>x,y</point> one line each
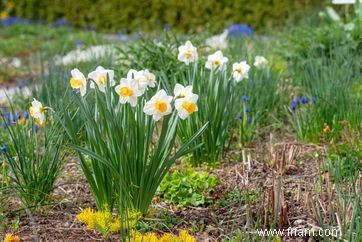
<point>5,13</point>
<point>11,238</point>
<point>183,236</point>
<point>105,221</point>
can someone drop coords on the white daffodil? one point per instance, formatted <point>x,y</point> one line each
<point>216,61</point>
<point>187,53</point>
<point>240,71</point>
<point>159,105</point>
<point>218,41</point>
<point>99,77</point>
<point>37,111</point>
<point>128,92</point>
<point>78,81</point>
<point>186,106</point>
<point>150,77</point>
<point>181,91</point>
<point>260,62</point>
<point>139,78</point>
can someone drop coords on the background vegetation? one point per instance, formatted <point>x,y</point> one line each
<point>117,15</point>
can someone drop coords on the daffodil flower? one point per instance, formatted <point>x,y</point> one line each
<point>260,62</point>
<point>78,81</point>
<point>181,91</point>
<point>150,78</point>
<point>187,53</point>
<point>216,61</point>
<point>128,92</point>
<point>139,78</point>
<point>99,77</point>
<point>37,111</point>
<point>159,105</point>
<point>186,106</point>
<point>240,71</point>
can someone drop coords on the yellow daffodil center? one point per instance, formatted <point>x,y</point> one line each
<point>161,106</point>
<point>189,107</point>
<point>126,92</point>
<point>102,80</point>
<point>188,54</point>
<point>217,63</point>
<point>239,70</point>
<point>32,111</point>
<point>76,83</point>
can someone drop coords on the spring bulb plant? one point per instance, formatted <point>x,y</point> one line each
<point>130,131</point>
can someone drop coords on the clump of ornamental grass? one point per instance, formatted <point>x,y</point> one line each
<point>130,135</point>
<point>32,153</point>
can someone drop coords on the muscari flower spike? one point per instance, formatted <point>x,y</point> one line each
<point>245,99</point>
<point>3,149</point>
<point>304,100</point>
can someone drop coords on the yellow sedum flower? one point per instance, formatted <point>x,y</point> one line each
<point>105,221</point>
<point>87,216</point>
<point>159,105</point>
<point>11,238</point>
<point>184,236</point>
<point>78,81</point>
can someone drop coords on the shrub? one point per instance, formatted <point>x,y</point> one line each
<point>116,15</point>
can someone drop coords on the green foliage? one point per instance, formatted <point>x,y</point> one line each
<point>182,15</point>
<point>325,62</point>
<point>160,221</point>
<point>188,187</point>
<point>345,161</point>
<point>237,197</point>
<point>129,151</point>
<point>33,159</point>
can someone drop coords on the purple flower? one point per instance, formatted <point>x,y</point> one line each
<point>240,115</point>
<point>293,104</point>
<point>8,116</point>
<point>304,100</point>
<point>314,99</point>
<point>249,120</point>
<point>26,114</point>
<point>245,99</point>
<point>240,30</point>
<point>3,149</point>
<point>18,115</point>
<point>36,128</point>
<point>247,109</point>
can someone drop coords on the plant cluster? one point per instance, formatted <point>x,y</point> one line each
<point>188,187</point>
